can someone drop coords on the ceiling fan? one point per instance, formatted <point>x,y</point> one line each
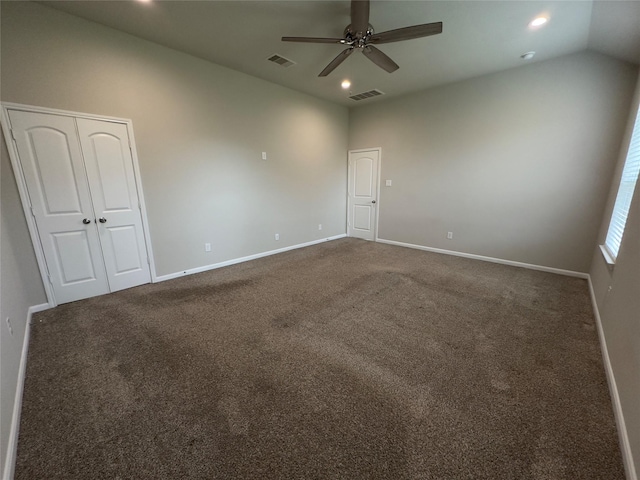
<point>360,34</point>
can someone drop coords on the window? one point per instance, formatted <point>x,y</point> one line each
<point>625,193</point>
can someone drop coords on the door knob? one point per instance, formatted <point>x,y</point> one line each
<point>102,220</point>
<point>373,201</point>
<point>86,221</point>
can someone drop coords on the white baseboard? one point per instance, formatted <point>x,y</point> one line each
<point>233,261</point>
<point>37,308</point>
<point>530,266</point>
<point>625,446</point>
<point>12,448</point>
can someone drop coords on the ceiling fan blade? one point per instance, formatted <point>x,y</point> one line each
<point>359,16</point>
<point>380,59</point>
<point>407,33</point>
<point>335,62</point>
<point>312,40</point>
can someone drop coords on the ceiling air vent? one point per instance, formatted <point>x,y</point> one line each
<point>365,95</point>
<point>280,60</point>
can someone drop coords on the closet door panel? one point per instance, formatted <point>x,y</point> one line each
<point>109,164</point>
<point>56,180</point>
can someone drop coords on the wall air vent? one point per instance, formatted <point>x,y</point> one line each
<point>280,60</point>
<point>365,95</point>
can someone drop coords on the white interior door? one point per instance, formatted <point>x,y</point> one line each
<point>363,193</point>
<point>109,165</point>
<point>54,172</point>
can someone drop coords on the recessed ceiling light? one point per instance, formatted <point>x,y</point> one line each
<point>538,21</point>
<point>346,84</point>
<point>527,56</point>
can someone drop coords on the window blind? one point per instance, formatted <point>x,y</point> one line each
<point>628,182</point>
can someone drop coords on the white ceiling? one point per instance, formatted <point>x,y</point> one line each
<point>478,37</point>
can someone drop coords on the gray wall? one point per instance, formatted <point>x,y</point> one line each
<point>20,288</point>
<point>620,308</point>
<point>516,164</point>
<point>200,130</point>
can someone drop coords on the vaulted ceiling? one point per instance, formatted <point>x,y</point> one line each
<point>478,37</point>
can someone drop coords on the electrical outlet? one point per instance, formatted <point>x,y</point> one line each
<point>450,235</point>
<point>264,155</point>
<point>9,326</point>
<point>277,236</point>
<point>388,183</point>
<point>319,226</point>
<point>207,247</point>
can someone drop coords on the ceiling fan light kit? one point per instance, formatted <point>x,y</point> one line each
<point>359,34</point>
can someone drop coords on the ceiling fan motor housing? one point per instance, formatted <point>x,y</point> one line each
<point>352,38</point>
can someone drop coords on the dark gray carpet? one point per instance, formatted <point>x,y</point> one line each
<point>346,360</point>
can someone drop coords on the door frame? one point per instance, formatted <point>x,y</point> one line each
<point>24,195</point>
<point>377,215</point>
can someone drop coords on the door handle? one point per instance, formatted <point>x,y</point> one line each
<point>102,220</point>
<point>373,201</point>
<point>86,221</point>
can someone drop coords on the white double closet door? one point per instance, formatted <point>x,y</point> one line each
<point>81,184</point>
